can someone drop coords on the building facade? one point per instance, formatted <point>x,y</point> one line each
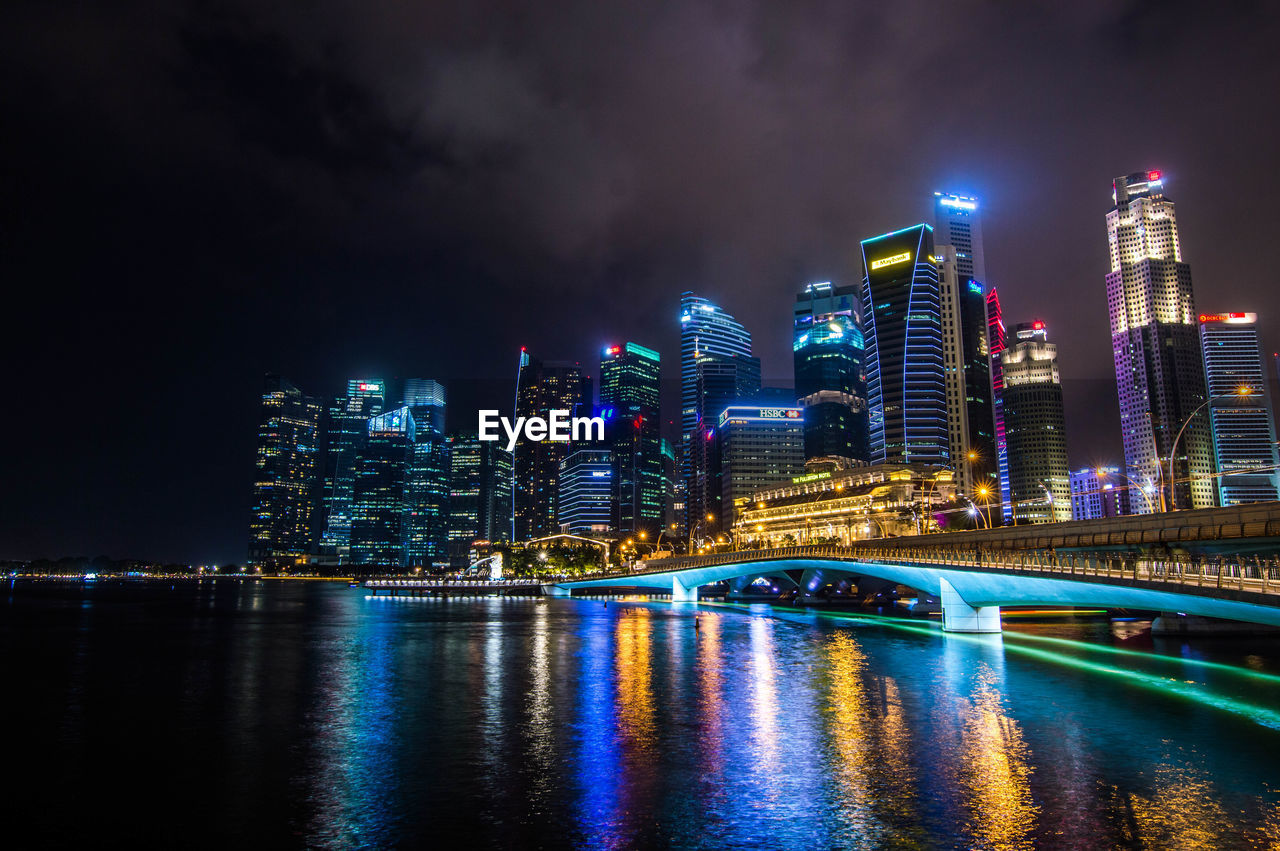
<point>757,448</point>
<point>630,385</point>
<point>902,326</point>
<point>1155,345</point>
<point>346,428</point>
<point>1035,428</point>
<point>282,525</point>
<point>830,374</point>
<point>379,515</point>
<point>479,496</point>
<point>585,505</point>
<point>1098,492</point>
<point>1240,418</point>
<point>996,343</point>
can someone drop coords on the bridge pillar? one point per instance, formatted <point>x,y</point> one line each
<point>681,594</point>
<point>555,591</point>
<point>959,616</point>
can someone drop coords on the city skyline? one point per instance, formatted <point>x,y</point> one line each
<point>253,208</point>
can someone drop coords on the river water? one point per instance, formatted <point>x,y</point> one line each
<point>309,714</point>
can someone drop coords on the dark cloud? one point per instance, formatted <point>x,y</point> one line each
<point>195,193</point>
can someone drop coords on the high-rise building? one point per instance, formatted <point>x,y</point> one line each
<point>346,428</point>
<point>758,448</point>
<point>902,325</point>
<point>721,381</point>
<point>996,342</point>
<point>1154,341</point>
<point>708,337</point>
<point>542,388</point>
<point>379,508</point>
<point>966,346</point>
<point>1244,437</point>
<point>479,496</point>
<point>586,492</point>
<point>1098,492</point>
<point>1035,428</point>
<point>629,399</point>
<point>831,380</point>
<point>282,528</point>
<point>426,399</point>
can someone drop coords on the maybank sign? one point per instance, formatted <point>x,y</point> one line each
<point>891,260</point>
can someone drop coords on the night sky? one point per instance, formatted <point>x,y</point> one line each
<point>196,193</point>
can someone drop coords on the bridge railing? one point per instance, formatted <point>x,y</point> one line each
<point>1242,573</point>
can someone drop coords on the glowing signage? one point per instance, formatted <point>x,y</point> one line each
<point>891,260</point>
<point>1230,318</point>
<point>953,201</point>
<point>1153,176</point>
<point>975,287</point>
<point>369,387</point>
<point>612,350</point>
<point>811,477</point>
<point>759,414</point>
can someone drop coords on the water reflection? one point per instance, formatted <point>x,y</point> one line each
<point>994,771</point>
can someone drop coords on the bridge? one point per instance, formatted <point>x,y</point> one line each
<point>1216,563</point>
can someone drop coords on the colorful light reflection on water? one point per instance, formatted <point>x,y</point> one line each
<point>315,716</point>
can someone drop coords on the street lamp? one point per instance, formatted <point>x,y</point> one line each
<point>1241,391</point>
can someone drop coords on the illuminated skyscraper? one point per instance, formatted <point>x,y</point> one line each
<point>1244,438</point>
<point>586,492</point>
<point>346,427</point>
<point>757,448</point>
<point>966,347</point>
<point>1154,341</point>
<point>716,370</point>
<point>1035,428</point>
<point>629,398</point>
<point>542,388</point>
<point>479,495</point>
<point>996,342</point>
<point>427,484</point>
<point>831,379</point>
<point>281,530</point>
<point>1099,492</point>
<point>426,399</point>
<point>902,325</point>
<point>379,505</point>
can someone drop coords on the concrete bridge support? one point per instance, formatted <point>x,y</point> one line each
<point>959,616</point>
<point>681,594</point>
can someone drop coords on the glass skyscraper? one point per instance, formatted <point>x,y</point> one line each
<point>479,495</point>
<point>716,370</point>
<point>831,380</point>
<point>629,400</point>
<point>427,485</point>
<point>586,492</point>
<point>1154,341</point>
<point>902,325</point>
<point>281,529</point>
<point>346,427</point>
<point>757,448</point>
<point>379,513</point>
<point>958,246</point>
<point>1244,439</point>
<point>996,342</point>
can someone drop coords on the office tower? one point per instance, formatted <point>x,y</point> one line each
<point>970,409</point>
<point>1035,428</point>
<point>721,381</point>
<point>542,388</point>
<point>996,341</point>
<point>1154,340</point>
<point>758,448</point>
<point>707,333</point>
<point>1098,492</point>
<point>281,530</point>
<point>346,427</point>
<point>479,496</point>
<point>901,317</point>
<point>669,467</point>
<point>427,500</point>
<point>586,492</point>
<point>629,396</point>
<point>831,380</point>
<point>426,399</point>
<point>1244,438</point>
<point>379,505</point>
<point>957,223</point>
